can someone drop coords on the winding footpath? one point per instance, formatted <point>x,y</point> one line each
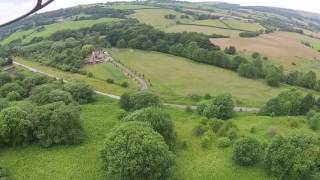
<point>237,109</point>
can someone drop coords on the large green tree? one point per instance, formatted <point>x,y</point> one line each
<point>159,120</point>
<point>294,157</point>
<point>135,151</point>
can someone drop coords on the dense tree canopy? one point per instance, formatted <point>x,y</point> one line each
<point>15,126</point>
<point>247,151</point>
<point>137,100</point>
<point>220,107</point>
<point>293,157</point>
<point>134,151</point>
<point>159,120</point>
<point>57,123</point>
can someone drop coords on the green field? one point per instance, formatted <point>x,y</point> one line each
<point>126,6</point>
<point>52,28</point>
<point>202,29</point>
<point>211,22</point>
<point>155,17</point>
<point>98,82</point>
<point>82,162</point>
<point>174,78</point>
<point>105,71</point>
<point>243,25</point>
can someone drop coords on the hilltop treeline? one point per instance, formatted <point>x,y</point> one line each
<point>63,50</point>
<point>91,12</point>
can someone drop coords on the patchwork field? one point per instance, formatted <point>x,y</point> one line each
<point>155,17</point>
<point>98,81</point>
<point>129,6</point>
<point>282,47</point>
<point>211,22</point>
<point>175,78</point>
<point>52,28</point>
<point>243,25</point>
<point>202,29</point>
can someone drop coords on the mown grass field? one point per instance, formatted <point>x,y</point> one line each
<point>82,162</point>
<point>282,47</point>
<point>98,82</point>
<point>175,78</point>
<point>52,28</point>
<point>105,71</point>
<point>155,17</point>
<point>202,29</point>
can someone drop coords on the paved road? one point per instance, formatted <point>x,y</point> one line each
<point>237,109</point>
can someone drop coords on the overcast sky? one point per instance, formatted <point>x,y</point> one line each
<point>11,8</point>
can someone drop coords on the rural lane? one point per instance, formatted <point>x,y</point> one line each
<point>237,109</point>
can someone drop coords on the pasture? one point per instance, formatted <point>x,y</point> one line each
<point>98,81</point>
<point>175,78</point>
<point>156,17</point>
<point>203,29</point>
<point>243,25</point>
<point>282,47</point>
<point>52,28</point>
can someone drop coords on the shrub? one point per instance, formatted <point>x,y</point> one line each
<point>200,108</point>
<point>81,92</point>
<point>138,100</point>
<point>199,130</point>
<point>60,95</point>
<point>40,94</point>
<point>3,104</point>
<point>272,131</point>
<point>5,78</point>
<point>223,131</point>
<point>220,107</point>
<point>3,174</point>
<point>90,74</point>
<point>134,151</point>
<point>10,87</point>
<point>216,125</point>
<point>13,96</point>
<point>15,126</point>
<point>293,157</point>
<point>124,84</point>
<point>206,139</point>
<point>189,109</point>
<point>207,96</point>
<point>110,81</point>
<point>314,121</point>
<point>232,134</point>
<point>247,151</point>
<point>224,142</point>
<point>57,123</point>
<point>249,34</point>
<point>159,120</point>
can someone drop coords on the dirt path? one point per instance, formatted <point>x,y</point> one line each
<point>237,109</point>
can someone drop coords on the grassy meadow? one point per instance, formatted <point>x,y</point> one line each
<point>82,162</point>
<point>202,29</point>
<point>52,28</point>
<point>243,25</point>
<point>155,17</point>
<point>98,81</point>
<point>175,78</point>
